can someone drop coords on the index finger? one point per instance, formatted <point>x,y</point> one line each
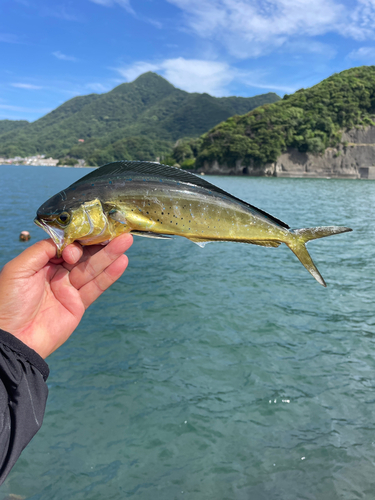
<point>89,269</point>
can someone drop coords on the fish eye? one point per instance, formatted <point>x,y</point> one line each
<point>64,218</point>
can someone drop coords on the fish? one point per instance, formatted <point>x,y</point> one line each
<point>158,201</point>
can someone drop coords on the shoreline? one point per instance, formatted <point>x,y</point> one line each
<point>369,175</point>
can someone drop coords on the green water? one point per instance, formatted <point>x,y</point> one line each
<point>223,373</point>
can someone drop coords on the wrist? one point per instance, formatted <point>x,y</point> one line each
<point>33,357</point>
<point>28,338</point>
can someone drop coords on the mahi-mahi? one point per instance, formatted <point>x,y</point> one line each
<point>154,200</point>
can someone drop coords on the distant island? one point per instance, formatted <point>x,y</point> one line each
<point>141,120</point>
<point>324,131</point>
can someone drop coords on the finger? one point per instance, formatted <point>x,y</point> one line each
<point>33,259</point>
<point>72,253</point>
<point>66,294</point>
<point>87,252</point>
<point>57,260</point>
<point>94,288</point>
<point>91,268</point>
<point>83,254</point>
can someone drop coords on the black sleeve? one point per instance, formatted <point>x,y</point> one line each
<point>23,396</point>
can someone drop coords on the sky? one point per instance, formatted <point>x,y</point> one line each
<point>54,50</point>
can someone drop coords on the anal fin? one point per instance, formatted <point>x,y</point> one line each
<point>200,242</point>
<point>148,234</point>
<point>264,243</point>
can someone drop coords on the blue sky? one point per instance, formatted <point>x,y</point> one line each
<point>53,50</point>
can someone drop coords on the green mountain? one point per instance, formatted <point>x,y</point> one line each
<point>309,120</point>
<point>8,125</point>
<point>137,120</point>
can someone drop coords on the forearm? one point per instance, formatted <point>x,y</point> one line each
<point>23,396</point>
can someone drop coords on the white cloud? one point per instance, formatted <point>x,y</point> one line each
<point>364,53</point>
<point>64,57</point>
<point>198,76</point>
<point>58,11</point>
<point>259,84</point>
<point>97,87</point>
<point>109,3</point>
<point>192,75</point>
<point>310,46</point>
<point>9,38</point>
<point>250,28</point>
<point>23,109</point>
<point>361,19</point>
<point>26,86</point>
<point>125,4</point>
<point>131,72</point>
<point>195,75</point>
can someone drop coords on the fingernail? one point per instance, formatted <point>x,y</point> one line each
<point>76,254</point>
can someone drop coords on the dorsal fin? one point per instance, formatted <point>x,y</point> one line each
<point>129,168</point>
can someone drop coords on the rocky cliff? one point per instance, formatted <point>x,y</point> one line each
<point>353,159</point>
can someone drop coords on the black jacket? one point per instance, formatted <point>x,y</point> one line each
<point>23,396</point>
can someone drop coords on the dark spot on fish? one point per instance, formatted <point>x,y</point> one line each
<point>162,213</point>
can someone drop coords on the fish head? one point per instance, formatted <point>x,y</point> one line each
<point>67,222</point>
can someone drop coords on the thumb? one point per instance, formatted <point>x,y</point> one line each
<point>33,259</point>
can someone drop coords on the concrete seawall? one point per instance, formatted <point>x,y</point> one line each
<point>353,159</point>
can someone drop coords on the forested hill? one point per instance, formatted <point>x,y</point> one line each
<point>8,125</point>
<point>137,120</point>
<point>310,120</point>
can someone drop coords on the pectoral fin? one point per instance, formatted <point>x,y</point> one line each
<point>117,216</point>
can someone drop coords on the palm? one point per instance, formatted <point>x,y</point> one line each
<point>51,304</point>
<point>42,299</point>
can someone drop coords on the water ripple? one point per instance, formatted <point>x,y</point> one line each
<point>225,373</point>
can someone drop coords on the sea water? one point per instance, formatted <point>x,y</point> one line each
<point>223,373</point>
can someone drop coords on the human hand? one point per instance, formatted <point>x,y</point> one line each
<point>43,298</point>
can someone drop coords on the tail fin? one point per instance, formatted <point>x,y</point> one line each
<point>301,236</point>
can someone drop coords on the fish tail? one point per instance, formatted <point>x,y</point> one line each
<point>300,237</point>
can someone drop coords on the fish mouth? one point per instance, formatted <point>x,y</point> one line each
<point>57,235</point>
